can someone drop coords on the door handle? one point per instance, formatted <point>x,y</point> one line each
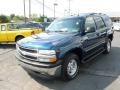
<point>81,41</point>
<point>98,34</point>
<point>84,39</point>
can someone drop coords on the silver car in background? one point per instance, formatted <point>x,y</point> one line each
<point>116,26</point>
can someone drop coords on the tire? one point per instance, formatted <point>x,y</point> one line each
<point>67,72</point>
<point>18,38</point>
<point>107,47</point>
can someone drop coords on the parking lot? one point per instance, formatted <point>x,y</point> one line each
<point>102,73</point>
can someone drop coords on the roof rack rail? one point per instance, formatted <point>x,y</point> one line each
<point>92,13</point>
<point>97,14</point>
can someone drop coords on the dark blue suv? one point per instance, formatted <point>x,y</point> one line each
<point>65,44</point>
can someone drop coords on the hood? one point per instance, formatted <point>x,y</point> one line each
<point>45,40</point>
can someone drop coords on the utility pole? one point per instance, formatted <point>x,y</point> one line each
<point>55,4</point>
<point>43,10</point>
<point>29,9</point>
<point>24,11</point>
<point>69,7</point>
<point>65,12</point>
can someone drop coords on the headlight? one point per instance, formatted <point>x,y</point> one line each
<point>47,52</point>
<point>47,56</point>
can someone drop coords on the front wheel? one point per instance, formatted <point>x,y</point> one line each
<point>107,47</point>
<point>70,67</point>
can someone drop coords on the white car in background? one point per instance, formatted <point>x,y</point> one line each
<point>116,26</point>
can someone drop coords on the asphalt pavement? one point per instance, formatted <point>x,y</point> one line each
<point>102,73</point>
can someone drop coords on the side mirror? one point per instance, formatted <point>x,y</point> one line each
<point>90,29</point>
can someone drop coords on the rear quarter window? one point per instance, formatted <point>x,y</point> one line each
<point>99,22</point>
<point>3,28</point>
<point>107,21</point>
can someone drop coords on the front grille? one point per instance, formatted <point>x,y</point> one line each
<point>27,53</point>
<point>28,56</point>
<point>28,50</point>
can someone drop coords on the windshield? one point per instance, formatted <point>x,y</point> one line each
<point>65,25</point>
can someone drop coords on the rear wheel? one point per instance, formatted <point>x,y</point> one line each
<point>70,67</point>
<point>107,47</point>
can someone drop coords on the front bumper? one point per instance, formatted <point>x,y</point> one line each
<point>39,68</point>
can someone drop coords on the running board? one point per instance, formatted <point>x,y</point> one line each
<point>85,60</point>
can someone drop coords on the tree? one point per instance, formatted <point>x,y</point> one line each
<point>12,16</point>
<point>41,18</point>
<point>3,19</point>
<point>34,17</point>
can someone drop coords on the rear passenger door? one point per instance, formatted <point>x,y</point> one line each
<point>101,29</point>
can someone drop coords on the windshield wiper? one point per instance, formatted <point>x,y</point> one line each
<point>60,31</point>
<point>55,31</point>
<point>47,31</point>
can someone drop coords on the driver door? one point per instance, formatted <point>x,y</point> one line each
<point>11,32</point>
<point>90,38</point>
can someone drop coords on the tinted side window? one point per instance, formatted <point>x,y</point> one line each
<point>12,27</point>
<point>99,22</point>
<point>108,21</point>
<point>89,23</point>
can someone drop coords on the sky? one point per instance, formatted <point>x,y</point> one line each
<point>110,7</point>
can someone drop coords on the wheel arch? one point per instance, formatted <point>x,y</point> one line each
<point>77,51</point>
<point>18,36</point>
<point>110,37</point>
